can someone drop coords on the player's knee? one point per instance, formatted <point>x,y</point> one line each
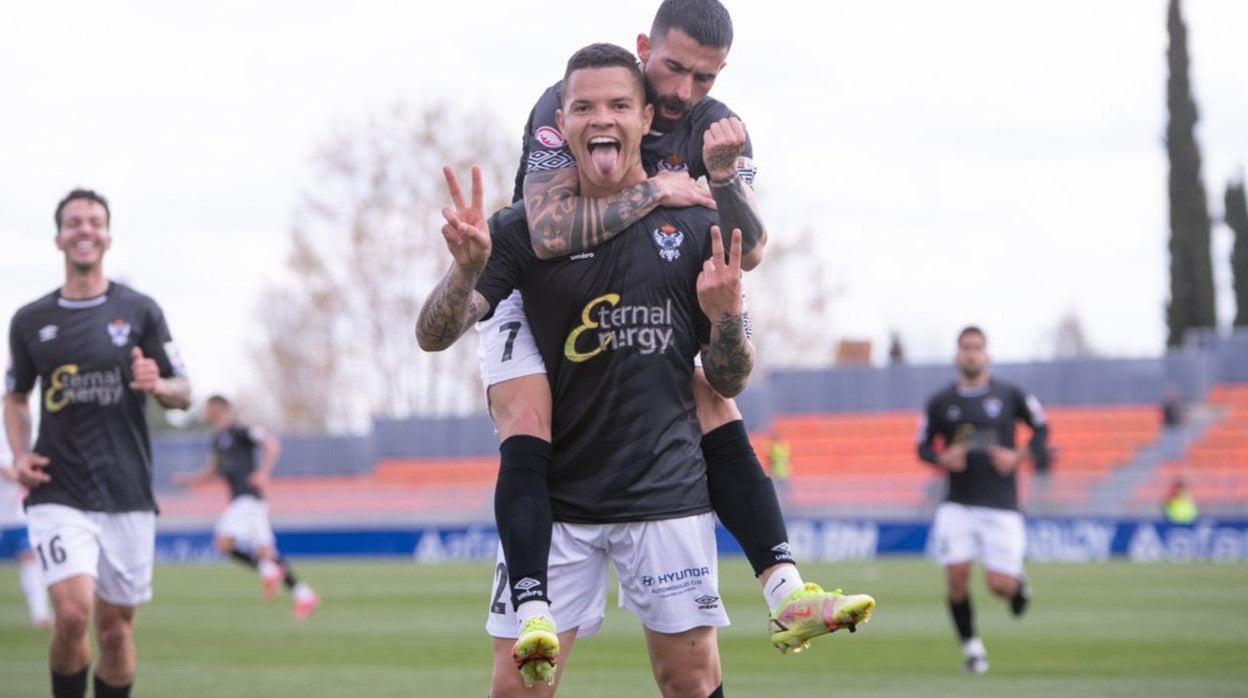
<point>1002,585</point>
<point>115,638</point>
<point>73,619</point>
<point>714,410</point>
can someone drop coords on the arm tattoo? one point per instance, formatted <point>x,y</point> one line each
<point>561,222</point>
<point>448,312</point>
<point>729,358</point>
<point>736,211</point>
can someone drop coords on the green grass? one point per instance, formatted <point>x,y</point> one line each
<point>398,629</point>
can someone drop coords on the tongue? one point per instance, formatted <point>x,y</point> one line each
<point>604,157</point>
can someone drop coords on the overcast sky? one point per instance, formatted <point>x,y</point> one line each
<point>987,161</point>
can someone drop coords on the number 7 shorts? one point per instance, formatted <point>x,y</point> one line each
<point>115,548</point>
<point>507,349</point>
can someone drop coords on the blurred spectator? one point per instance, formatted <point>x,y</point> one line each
<point>1173,416</point>
<point>779,459</point>
<point>1180,506</point>
<point>896,352</point>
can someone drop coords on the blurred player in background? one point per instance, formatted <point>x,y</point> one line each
<point>98,349</point>
<point>692,137</point>
<point>243,532</point>
<point>15,540</point>
<point>975,420</point>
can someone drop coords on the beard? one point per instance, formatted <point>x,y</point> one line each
<point>661,122</point>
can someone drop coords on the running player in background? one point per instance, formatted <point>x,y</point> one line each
<point>243,532</point>
<point>692,136</point>
<point>15,539</point>
<point>975,420</point>
<point>98,349</point>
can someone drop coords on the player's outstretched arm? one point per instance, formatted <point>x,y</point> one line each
<point>729,358</point>
<point>561,222</point>
<point>722,145</point>
<point>455,304</point>
<point>206,472</point>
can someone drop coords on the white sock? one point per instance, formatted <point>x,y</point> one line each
<point>532,609</point>
<point>784,581</point>
<point>268,568</point>
<point>974,647</point>
<point>31,577</point>
<point>302,592</point>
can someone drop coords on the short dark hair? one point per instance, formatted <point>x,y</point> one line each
<point>972,329</point>
<point>604,56</point>
<point>705,21</point>
<point>87,194</point>
<point>219,400</point>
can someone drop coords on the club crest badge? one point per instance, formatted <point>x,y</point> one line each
<point>673,163</point>
<point>549,137</point>
<point>992,406</point>
<point>953,413</point>
<point>669,238</point>
<point>119,332</point>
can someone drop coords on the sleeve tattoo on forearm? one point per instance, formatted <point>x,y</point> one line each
<point>452,307</point>
<point>561,222</point>
<point>736,211</point>
<point>729,358</point>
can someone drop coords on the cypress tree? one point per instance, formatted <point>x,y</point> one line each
<point>1236,207</point>
<point>1191,262</point>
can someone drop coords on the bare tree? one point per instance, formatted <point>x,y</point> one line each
<point>1070,339</point>
<point>365,249</point>
<point>791,301</point>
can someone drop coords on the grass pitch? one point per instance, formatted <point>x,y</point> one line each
<point>399,629</point>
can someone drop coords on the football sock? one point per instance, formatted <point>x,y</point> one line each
<point>963,618</point>
<point>782,582</point>
<point>290,581</point>
<point>301,591</point>
<point>31,578</point>
<point>522,512</point>
<point>69,685</point>
<point>530,610</point>
<point>103,690</point>
<point>267,568</point>
<point>245,557</point>
<point>744,498</point>
<point>718,692</point>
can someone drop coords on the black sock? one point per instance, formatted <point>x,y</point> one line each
<point>103,690</point>
<point>291,580</point>
<point>744,498</point>
<point>963,619</point>
<point>522,512</point>
<point>718,693</point>
<point>69,685</point>
<point>245,557</point>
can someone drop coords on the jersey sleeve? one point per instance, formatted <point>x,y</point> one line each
<point>510,257</point>
<point>20,375</point>
<point>157,343</point>
<point>1031,412</point>
<point>544,146</point>
<point>929,426</point>
<point>256,435</point>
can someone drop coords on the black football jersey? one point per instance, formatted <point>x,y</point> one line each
<point>979,418</point>
<point>234,450</point>
<point>92,425</point>
<point>617,328</point>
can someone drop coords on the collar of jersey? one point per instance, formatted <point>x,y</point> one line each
<point>974,392</point>
<point>75,304</point>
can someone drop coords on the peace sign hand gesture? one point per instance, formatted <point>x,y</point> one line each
<point>719,284</point>
<point>467,233</point>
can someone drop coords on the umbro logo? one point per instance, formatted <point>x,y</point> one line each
<point>782,548</point>
<point>706,602</point>
<point>527,583</point>
<point>47,333</point>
